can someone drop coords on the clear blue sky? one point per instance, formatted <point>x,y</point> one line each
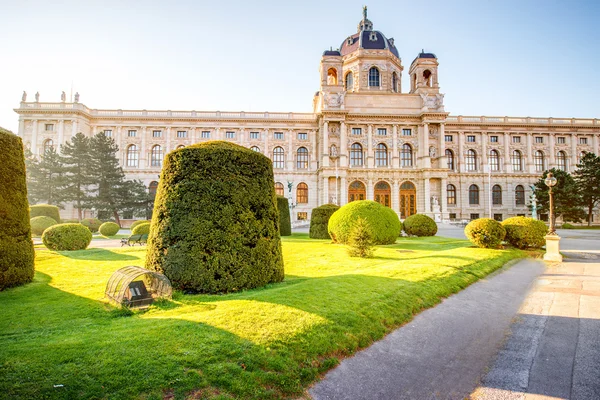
<point>520,58</point>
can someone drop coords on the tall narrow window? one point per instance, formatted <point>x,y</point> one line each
<point>561,160</point>
<point>302,158</point>
<point>519,195</point>
<point>450,159</point>
<point>156,156</point>
<point>395,82</point>
<point>132,155</point>
<point>279,189</point>
<point>538,160</point>
<point>406,155</point>
<point>496,195</point>
<point>374,77</point>
<point>494,161</point>
<point>48,144</point>
<point>356,155</point>
<point>278,157</point>
<point>349,83</point>
<point>451,194</point>
<point>517,160</point>
<point>381,155</point>
<point>302,193</point>
<point>473,195</point>
<point>471,160</point>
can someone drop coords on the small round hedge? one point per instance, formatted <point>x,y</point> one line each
<point>285,224</point>
<point>45,210</point>
<point>141,229</point>
<point>109,229</point>
<point>524,232</point>
<point>567,225</point>
<point>40,224</point>
<point>93,224</point>
<point>382,221</point>
<point>136,223</point>
<point>67,237</point>
<point>485,232</point>
<point>215,220</point>
<point>420,225</point>
<point>319,220</point>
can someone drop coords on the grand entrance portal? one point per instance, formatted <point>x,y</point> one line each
<point>357,191</point>
<point>383,193</point>
<point>408,200</point>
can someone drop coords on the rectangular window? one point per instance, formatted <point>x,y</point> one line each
<point>254,135</point>
<point>382,131</point>
<point>471,138</point>
<point>49,127</point>
<point>131,133</point>
<point>205,134</point>
<point>278,135</point>
<point>448,138</point>
<point>539,139</point>
<point>452,215</point>
<point>181,134</point>
<point>406,132</point>
<point>498,217</point>
<point>561,140</point>
<point>493,139</point>
<point>302,136</point>
<point>302,216</point>
<point>582,140</point>
<point>229,135</point>
<point>357,131</point>
<point>108,132</point>
<point>474,216</point>
<point>156,133</point>
<point>516,139</point>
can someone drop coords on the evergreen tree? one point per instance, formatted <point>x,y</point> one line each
<point>76,158</point>
<point>567,199</point>
<point>587,178</point>
<point>46,178</point>
<point>360,241</point>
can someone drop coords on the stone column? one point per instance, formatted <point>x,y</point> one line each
<point>442,161</point>
<point>395,154</point>
<point>427,197</point>
<point>507,166</point>
<point>118,141</point>
<point>444,198</point>
<point>21,132</point>
<point>370,156</point>
<point>325,136</point>
<point>314,151</point>
<point>75,127</point>
<point>343,145</point>
<point>343,191</point>
<point>290,159</point>
<point>61,135</point>
<point>425,148</point>
<point>552,155</point>
<point>325,197</point>
<point>370,192</point>
<point>396,196</point>
<point>266,151</point>
<point>573,165</point>
<point>484,153</point>
<point>595,144</point>
<point>143,154</point>
<point>460,159</point>
<point>193,137</point>
<point>34,140</point>
<point>530,166</point>
<point>168,139</point>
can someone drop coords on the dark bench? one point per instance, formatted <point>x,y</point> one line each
<point>133,239</point>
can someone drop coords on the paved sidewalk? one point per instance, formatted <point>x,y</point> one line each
<point>443,352</point>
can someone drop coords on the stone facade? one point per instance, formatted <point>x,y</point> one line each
<point>365,139</point>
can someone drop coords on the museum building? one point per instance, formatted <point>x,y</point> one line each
<point>367,138</point>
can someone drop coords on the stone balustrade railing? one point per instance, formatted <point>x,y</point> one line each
<point>522,120</point>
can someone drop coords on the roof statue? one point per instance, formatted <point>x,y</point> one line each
<point>365,12</point>
<point>24,97</point>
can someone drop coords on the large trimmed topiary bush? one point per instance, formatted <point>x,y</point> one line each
<point>285,224</point>
<point>524,232</point>
<point>215,221</point>
<point>382,222</point>
<point>141,229</point>
<point>319,220</point>
<point>109,229</point>
<point>136,223</point>
<point>16,248</point>
<point>67,237</point>
<point>45,210</point>
<point>93,224</point>
<point>40,224</point>
<point>419,225</point>
<point>485,232</point>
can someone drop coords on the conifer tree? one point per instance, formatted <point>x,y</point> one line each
<point>360,240</point>
<point>46,178</point>
<point>76,158</point>
<point>567,199</point>
<point>587,178</point>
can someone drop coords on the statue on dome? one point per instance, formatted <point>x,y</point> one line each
<point>37,97</point>
<point>76,97</point>
<point>63,96</point>
<point>365,12</point>
<point>24,97</point>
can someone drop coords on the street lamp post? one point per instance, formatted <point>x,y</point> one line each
<point>552,239</point>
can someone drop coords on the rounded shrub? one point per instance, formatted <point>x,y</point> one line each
<point>420,225</point>
<point>16,248</point>
<point>45,210</point>
<point>40,224</point>
<point>319,219</point>
<point>567,225</point>
<point>485,232</point>
<point>67,237</point>
<point>285,224</point>
<point>524,232</point>
<point>136,223</point>
<point>215,221</point>
<point>109,229</point>
<point>382,222</point>
<point>141,229</point>
<point>93,224</point>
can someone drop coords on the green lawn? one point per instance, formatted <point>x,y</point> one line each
<point>268,343</point>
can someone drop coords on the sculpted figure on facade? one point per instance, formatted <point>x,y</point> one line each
<point>76,97</point>
<point>335,99</point>
<point>432,152</point>
<point>37,97</point>
<point>63,96</point>
<point>24,97</point>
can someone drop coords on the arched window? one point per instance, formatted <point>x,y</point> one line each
<point>496,195</point>
<point>395,82</point>
<point>580,156</point>
<point>451,194</point>
<point>517,160</point>
<point>374,77</point>
<point>156,156</point>
<point>302,158</point>
<point>494,160</point>
<point>406,155</point>
<point>450,159</point>
<point>519,195</point>
<point>255,148</point>
<point>132,155</point>
<point>332,76</point>
<point>48,144</point>
<point>381,155</point>
<point>561,160</point>
<point>473,195</point>
<point>180,146</point>
<point>278,157</point>
<point>383,193</point>
<point>302,193</point>
<point>427,77</point>
<point>152,188</point>
<point>349,82</point>
<point>357,191</point>
<point>279,188</point>
<point>471,161</point>
<point>538,160</point>
<point>356,154</point>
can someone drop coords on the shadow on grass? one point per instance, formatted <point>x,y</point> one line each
<point>96,254</point>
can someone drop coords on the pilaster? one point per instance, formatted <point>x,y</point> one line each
<point>325,136</point>
<point>325,194</point>
<point>530,166</point>
<point>444,197</point>
<point>442,161</point>
<point>552,155</point>
<point>395,195</point>
<point>168,140</point>
<point>290,159</point>
<point>370,192</point>
<point>507,164</point>
<point>425,148</point>
<point>395,154</point>
<point>343,191</point>
<point>573,165</point>
<point>427,197</point>
<point>143,155</point>
<point>460,159</point>
<point>34,137</point>
<point>370,156</point>
<point>343,145</point>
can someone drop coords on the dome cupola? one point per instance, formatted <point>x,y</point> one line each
<point>367,38</point>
